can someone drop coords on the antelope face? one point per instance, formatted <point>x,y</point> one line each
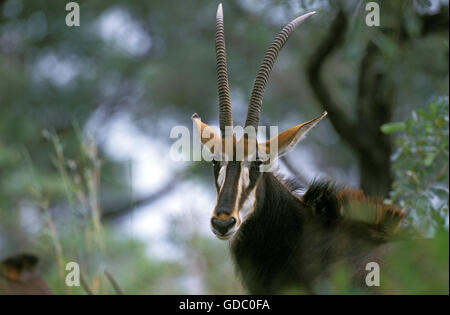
<point>238,172</point>
<point>236,187</point>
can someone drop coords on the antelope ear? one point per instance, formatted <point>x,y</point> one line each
<point>207,135</point>
<point>286,140</point>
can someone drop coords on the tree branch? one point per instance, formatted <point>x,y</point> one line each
<point>364,79</point>
<point>436,22</point>
<point>121,210</point>
<point>341,122</point>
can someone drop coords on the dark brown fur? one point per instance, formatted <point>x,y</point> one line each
<point>294,242</point>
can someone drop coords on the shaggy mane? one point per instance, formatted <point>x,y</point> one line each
<point>333,203</point>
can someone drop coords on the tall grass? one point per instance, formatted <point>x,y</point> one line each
<point>80,179</point>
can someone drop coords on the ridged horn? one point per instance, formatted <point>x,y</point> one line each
<point>225,115</point>
<point>254,107</point>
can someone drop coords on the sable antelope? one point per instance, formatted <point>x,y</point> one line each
<point>280,239</point>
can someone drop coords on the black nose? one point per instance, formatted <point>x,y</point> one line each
<point>223,226</point>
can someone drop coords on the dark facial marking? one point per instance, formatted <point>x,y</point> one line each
<point>228,194</point>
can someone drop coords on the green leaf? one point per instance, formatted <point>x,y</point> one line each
<point>390,128</point>
<point>434,109</point>
<point>422,113</point>
<point>440,122</point>
<point>429,158</point>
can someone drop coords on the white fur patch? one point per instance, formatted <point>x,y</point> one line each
<point>248,206</point>
<point>244,182</point>
<point>245,176</point>
<point>221,177</point>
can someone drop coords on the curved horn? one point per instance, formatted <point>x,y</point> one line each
<point>254,107</point>
<point>225,116</point>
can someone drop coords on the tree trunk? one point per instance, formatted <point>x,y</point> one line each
<point>375,178</point>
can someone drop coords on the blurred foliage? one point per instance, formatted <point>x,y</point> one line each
<point>420,164</point>
<point>419,264</point>
<point>73,232</point>
<point>421,187</point>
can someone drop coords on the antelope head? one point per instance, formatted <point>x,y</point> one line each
<point>238,163</point>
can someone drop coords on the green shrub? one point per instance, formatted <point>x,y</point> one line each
<point>420,166</point>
